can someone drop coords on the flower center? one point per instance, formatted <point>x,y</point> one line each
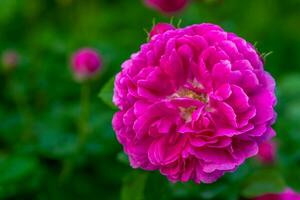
<point>183,92</point>
<point>187,112</point>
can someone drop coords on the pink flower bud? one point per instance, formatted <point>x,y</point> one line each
<point>167,6</point>
<point>86,63</point>
<point>288,194</point>
<point>10,59</point>
<point>160,28</point>
<point>267,152</point>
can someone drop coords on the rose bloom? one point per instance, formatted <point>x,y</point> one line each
<point>167,6</point>
<point>194,103</point>
<point>267,152</point>
<point>288,194</point>
<point>86,63</point>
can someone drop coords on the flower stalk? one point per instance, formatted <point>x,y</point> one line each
<point>83,130</point>
<point>22,106</point>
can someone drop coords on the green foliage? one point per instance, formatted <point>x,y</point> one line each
<point>18,173</point>
<point>106,93</point>
<point>157,187</point>
<point>40,109</point>
<point>16,168</point>
<point>139,185</point>
<point>134,186</point>
<point>262,182</point>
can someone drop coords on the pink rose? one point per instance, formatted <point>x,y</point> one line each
<point>194,103</point>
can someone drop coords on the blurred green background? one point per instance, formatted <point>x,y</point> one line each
<point>40,101</point>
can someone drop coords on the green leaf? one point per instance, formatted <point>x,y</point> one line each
<point>262,182</point>
<point>55,144</point>
<point>7,10</point>
<point>123,158</point>
<point>292,112</point>
<point>157,187</point>
<point>134,185</point>
<point>292,176</point>
<point>16,168</point>
<point>106,93</point>
<point>289,86</point>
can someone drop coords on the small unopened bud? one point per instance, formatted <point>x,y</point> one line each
<point>160,28</point>
<point>167,6</point>
<point>86,63</point>
<point>10,60</point>
<point>267,152</point>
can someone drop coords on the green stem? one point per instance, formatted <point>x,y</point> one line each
<point>83,130</point>
<point>22,106</point>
